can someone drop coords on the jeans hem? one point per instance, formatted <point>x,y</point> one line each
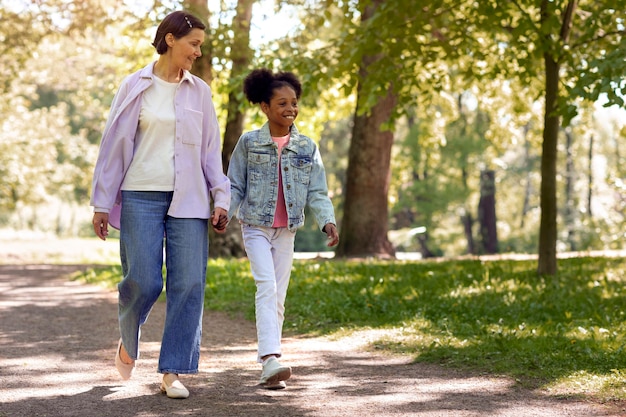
<point>178,371</point>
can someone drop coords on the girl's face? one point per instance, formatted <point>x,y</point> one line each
<point>281,111</point>
<point>185,50</point>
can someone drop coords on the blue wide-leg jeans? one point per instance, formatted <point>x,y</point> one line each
<point>144,227</point>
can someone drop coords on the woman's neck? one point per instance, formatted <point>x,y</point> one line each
<point>165,71</point>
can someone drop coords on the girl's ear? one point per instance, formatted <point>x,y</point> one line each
<point>265,107</point>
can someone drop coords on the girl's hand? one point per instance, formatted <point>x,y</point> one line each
<point>332,234</point>
<point>219,220</point>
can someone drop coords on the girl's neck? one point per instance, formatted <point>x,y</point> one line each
<point>279,132</point>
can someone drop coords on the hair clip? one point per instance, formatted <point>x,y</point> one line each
<point>188,22</point>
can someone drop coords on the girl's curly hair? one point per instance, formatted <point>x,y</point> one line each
<point>260,84</point>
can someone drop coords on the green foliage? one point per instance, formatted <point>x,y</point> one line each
<point>491,316</point>
<point>494,316</point>
<point>108,276</point>
<point>230,287</point>
<point>564,333</point>
<point>52,117</point>
<point>433,182</point>
<point>490,52</point>
<point>20,31</point>
<point>309,237</point>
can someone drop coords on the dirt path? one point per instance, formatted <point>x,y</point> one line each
<point>57,341</point>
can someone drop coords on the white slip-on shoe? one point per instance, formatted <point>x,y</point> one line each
<point>125,369</point>
<point>173,388</point>
<point>274,372</point>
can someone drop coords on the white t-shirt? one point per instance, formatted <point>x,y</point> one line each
<point>152,167</point>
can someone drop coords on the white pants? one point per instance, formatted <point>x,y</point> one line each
<point>270,251</point>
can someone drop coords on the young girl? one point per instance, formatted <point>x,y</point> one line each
<point>275,172</point>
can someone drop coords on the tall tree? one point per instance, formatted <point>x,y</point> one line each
<point>552,67</point>
<point>575,41</point>
<point>364,225</point>
<point>241,56</point>
<point>561,50</point>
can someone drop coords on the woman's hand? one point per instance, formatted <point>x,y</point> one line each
<point>101,225</point>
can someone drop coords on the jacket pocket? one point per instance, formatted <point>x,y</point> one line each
<point>301,166</point>
<point>258,165</point>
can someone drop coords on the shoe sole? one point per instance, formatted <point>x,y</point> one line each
<point>274,387</point>
<point>283,375</point>
<point>177,396</point>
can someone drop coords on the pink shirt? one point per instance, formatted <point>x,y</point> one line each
<point>280,217</point>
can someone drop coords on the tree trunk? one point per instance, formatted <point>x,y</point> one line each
<point>590,175</point>
<point>527,187</point>
<point>570,202</point>
<point>487,212</point>
<point>547,264</point>
<point>422,239</point>
<point>365,220</point>
<point>241,56</point>
<point>547,229</point>
<point>230,243</point>
<point>466,219</point>
<point>468,222</point>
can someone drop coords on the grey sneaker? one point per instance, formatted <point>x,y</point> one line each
<point>274,372</point>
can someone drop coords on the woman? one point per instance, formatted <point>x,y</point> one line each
<point>158,169</point>
<point>275,172</point>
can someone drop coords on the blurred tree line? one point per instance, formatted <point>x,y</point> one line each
<point>446,127</point>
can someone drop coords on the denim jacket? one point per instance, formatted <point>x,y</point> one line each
<point>253,174</point>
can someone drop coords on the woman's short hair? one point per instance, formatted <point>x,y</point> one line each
<point>179,24</point>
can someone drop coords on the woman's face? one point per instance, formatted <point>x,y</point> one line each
<point>185,50</point>
<point>282,110</point>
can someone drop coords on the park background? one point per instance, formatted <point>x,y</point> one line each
<point>485,135</point>
<point>443,126</point>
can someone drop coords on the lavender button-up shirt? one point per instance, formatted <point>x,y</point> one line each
<point>198,169</point>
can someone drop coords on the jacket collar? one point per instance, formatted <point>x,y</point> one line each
<point>148,73</point>
<point>266,137</point>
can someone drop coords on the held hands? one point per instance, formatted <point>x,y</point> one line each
<point>219,220</point>
<point>332,235</point>
<point>101,225</point>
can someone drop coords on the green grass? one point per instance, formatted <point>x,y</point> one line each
<point>566,333</point>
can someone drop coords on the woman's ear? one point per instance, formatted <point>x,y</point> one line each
<point>169,39</point>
